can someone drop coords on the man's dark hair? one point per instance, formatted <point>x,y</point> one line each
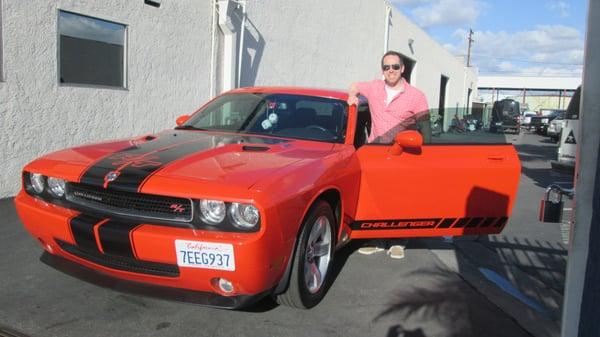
<point>395,53</point>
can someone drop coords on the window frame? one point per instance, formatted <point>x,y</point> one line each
<point>125,84</point>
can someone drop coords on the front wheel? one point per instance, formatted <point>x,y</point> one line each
<point>313,258</point>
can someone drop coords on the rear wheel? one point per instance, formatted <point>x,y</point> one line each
<point>313,258</point>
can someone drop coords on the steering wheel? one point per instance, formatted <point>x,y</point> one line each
<point>318,127</point>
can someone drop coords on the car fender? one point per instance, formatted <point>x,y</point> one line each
<point>285,278</point>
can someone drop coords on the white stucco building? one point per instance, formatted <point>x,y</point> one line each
<point>74,72</point>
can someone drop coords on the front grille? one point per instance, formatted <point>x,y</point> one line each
<point>130,204</point>
<point>121,263</point>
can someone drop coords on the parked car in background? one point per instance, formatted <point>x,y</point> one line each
<point>506,115</point>
<point>526,118</point>
<point>541,122</point>
<point>569,136</point>
<point>555,127</point>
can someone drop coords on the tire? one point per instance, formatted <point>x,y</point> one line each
<point>306,290</point>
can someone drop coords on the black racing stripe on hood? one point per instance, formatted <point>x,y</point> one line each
<point>82,227</point>
<point>141,161</point>
<point>114,237</point>
<point>95,174</point>
<point>132,176</point>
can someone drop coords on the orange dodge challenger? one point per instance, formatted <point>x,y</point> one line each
<point>253,194</point>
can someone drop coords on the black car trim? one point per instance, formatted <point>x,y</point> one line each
<point>432,223</point>
<point>120,262</point>
<point>175,294</point>
<point>396,224</point>
<point>114,236</point>
<point>82,228</point>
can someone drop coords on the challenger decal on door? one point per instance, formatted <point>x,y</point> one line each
<point>470,188</point>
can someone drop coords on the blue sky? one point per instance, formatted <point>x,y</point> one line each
<point>525,37</point>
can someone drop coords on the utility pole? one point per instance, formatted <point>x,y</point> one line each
<point>469,52</point>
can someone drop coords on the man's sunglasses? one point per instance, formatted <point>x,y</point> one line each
<point>387,67</point>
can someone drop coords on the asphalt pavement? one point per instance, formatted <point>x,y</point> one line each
<point>501,285</point>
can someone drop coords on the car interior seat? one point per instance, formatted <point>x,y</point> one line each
<point>303,117</point>
<point>363,126</point>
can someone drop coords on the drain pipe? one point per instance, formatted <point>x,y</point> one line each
<point>212,48</point>
<point>242,30</point>
<point>388,16</point>
<point>228,45</point>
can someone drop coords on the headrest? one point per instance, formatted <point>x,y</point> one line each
<point>306,113</point>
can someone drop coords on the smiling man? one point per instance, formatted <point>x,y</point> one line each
<point>395,105</point>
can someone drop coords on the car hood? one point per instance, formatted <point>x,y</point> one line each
<point>179,157</point>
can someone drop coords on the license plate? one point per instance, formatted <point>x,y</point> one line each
<point>208,255</point>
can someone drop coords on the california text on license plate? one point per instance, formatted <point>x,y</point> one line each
<point>209,255</point>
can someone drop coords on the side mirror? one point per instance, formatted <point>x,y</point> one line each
<point>410,139</point>
<point>182,119</point>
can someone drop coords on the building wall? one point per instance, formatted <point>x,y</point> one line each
<point>327,44</point>
<point>286,42</point>
<point>167,68</point>
<point>337,42</point>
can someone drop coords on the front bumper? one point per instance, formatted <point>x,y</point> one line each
<point>552,131</point>
<point>503,127</point>
<point>260,258</point>
<point>172,294</point>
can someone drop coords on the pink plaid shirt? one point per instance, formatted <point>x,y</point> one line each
<point>403,112</point>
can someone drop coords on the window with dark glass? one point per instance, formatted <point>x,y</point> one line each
<point>91,51</point>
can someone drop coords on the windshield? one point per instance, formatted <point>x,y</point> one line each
<point>282,115</point>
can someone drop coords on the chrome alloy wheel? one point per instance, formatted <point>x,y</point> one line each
<point>317,255</point>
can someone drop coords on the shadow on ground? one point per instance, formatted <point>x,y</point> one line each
<point>546,261</point>
<point>446,299</point>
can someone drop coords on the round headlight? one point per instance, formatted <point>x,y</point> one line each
<point>212,211</point>
<point>37,182</point>
<point>245,216</point>
<point>56,187</point>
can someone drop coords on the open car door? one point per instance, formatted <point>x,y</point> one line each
<point>409,190</point>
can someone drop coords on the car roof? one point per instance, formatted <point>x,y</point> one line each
<point>330,93</point>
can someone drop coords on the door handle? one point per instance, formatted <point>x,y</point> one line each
<point>496,159</point>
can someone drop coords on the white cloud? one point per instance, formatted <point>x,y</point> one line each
<point>506,66</point>
<point>561,7</point>
<point>556,50</point>
<point>429,13</point>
